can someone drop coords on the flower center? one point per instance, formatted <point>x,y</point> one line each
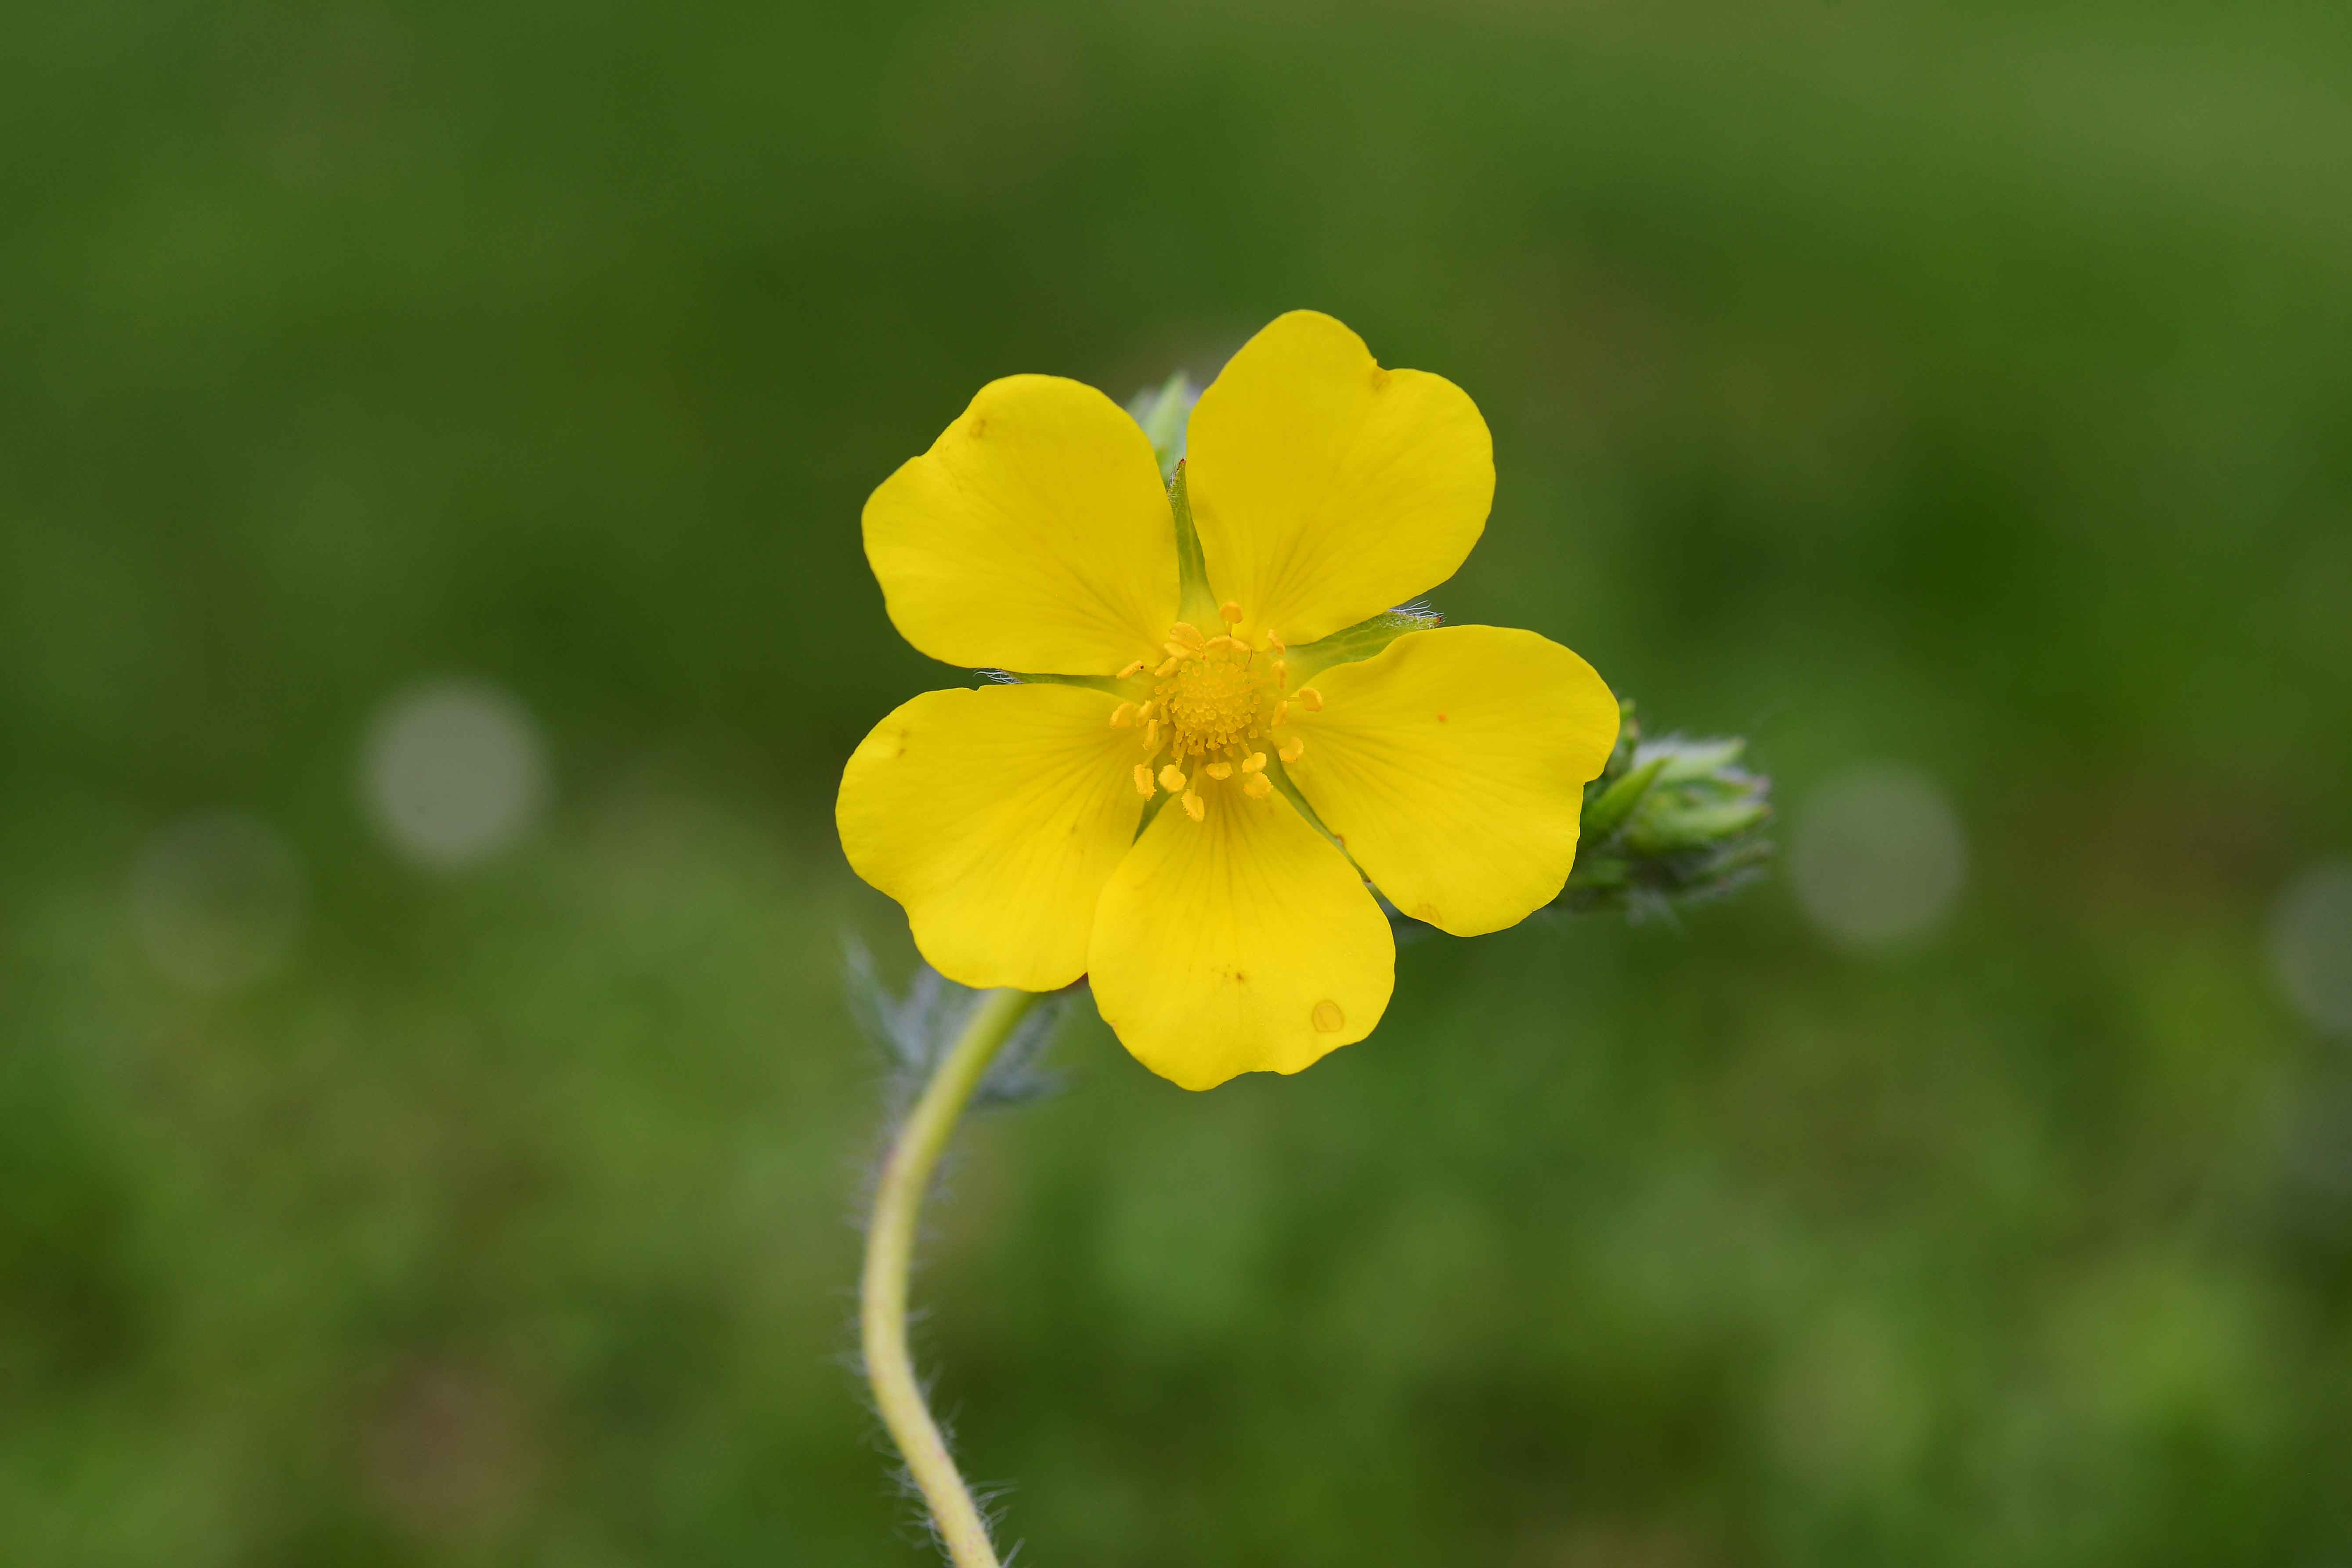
<point>1213,699</point>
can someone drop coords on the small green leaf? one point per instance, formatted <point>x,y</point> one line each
<point>1672,823</point>
<point>1688,760</point>
<point>1617,802</point>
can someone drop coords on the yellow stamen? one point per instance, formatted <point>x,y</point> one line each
<point>1254,762</point>
<point>1219,770</point>
<point>1258,786</point>
<point>1281,711</point>
<point>1281,674</point>
<point>1294,748</point>
<point>1310,699</point>
<point>1132,671</point>
<point>1229,613</point>
<point>1210,700</point>
<point>1192,806</point>
<point>1151,736</point>
<point>1172,778</point>
<point>1275,638</point>
<point>1123,717</point>
<point>1143,781</point>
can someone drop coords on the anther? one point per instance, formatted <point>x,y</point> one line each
<point>1132,671</point>
<point>1294,748</point>
<point>1172,778</point>
<point>1229,613</point>
<point>1219,770</point>
<point>1168,666</point>
<point>1151,736</point>
<point>1185,632</point>
<point>1310,699</point>
<point>1275,638</point>
<point>1281,674</point>
<point>1281,711</point>
<point>1258,786</point>
<point>1254,762</point>
<point>1143,781</point>
<point>1123,715</point>
<point>1192,806</point>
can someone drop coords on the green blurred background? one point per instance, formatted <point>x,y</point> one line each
<point>1963,392</point>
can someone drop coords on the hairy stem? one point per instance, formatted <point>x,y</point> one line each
<point>889,1253</point>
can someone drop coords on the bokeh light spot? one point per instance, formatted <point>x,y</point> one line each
<point>1879,855</point>
<point>453,773</point>
<point>216,900</point>
<point>2311,945</point>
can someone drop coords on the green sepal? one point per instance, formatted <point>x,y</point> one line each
<point>1687,760</point>
<point>1692,825</point>
<point>1095,683</point>
<point>1163,412</point>
<point>1196,601</point>
<point>1279,776</point>
<point>1360,641</point>
<point>1616,801</point>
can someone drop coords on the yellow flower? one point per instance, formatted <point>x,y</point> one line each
<point>1201,696</point>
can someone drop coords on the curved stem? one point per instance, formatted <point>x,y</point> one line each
<point>889,1252</point>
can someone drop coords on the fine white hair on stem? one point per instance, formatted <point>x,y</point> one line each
<point>990,1021</point>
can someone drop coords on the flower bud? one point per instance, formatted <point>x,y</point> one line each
<point>1669,821</point>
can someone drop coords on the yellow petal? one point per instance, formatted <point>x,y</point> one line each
<point>1453,766</point>
<point>1242,942</point>
<point>1325,489</point>
<point>1034,535</point>
<point>995,816</point>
